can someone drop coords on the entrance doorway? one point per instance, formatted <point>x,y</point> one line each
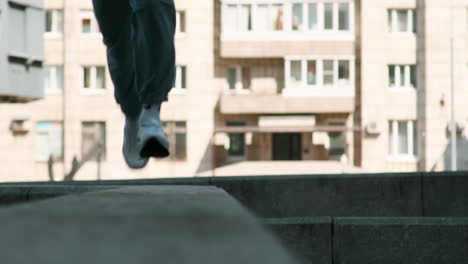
<point>287,146</point>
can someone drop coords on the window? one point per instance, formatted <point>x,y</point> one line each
<point>180,81</point>
<point>276,17</point>
<point>238,78</point>
<point>94,77</point>
<point>53,78</point>
<point>236,140</point>
<point>312,12</point>
<point>402,76</point>
<point>328,72</point>
<point>177,134</point>
<point>296,73</point>
<point>337,142</point>
<point>180,22</point>
<point>312,72</point>
<point>297,21</point>
<point>343,16</point>
<point>245,18</point>
<point>54,21</point>
<point>402,20</point>
<point>402,138</point>
<point>344,72</point>
<point>328,16</point>
<point>93,141</point>
<point>88,22</point>
<point>318,72</point>
<point>297,16</point>
<point>49,141</point>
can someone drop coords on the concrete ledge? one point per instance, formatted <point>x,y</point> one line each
<point>17,194</point>
<point>333,195</point>
<point>445,195</point>
<point>308,238</point>
<point>387,194</point>
<point>400,240</point>
<point>153,224</point>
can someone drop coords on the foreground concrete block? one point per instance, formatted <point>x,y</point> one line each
<point>154,224</point>
<point>445,194</point>
<point>17,194</point>
<point>308,238</point>
<point>400,240</point>
<point>327,195</point>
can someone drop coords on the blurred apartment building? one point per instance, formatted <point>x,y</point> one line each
<point>262,87</point>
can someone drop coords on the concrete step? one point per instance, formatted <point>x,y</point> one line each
<point>382,240</point>
<point>145,224</point>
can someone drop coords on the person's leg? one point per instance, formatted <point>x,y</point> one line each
<point>114,18</point>
<point>154,27</point>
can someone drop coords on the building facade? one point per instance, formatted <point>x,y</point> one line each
<point>262,87</point>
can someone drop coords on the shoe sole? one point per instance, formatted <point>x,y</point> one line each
<point>133,165</point>
<point>153,148</point>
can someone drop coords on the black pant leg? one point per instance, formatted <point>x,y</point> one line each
<point>114,18</point>
<point>154,28</point>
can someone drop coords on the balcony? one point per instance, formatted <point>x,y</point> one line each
<point>271,30</point>
<point>22,56</point>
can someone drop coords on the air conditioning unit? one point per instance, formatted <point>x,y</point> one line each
<point>373,128</point>
<point>20,125</point>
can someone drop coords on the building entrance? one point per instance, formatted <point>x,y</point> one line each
<point>287,146</point>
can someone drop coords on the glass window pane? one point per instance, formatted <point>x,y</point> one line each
<point>47,80</point>
<point>313,23</point>
<point>86,77</point>
<point>59,77</point>
<point>343,17</point>
<point>312,72</point>
<point>59,22</point>
<point>245,77</point>
<point>93,140</point>
<point>402,75</point>
<point>413,76</point>
<point>391,75</point>
<point>261,19</point>
<point>297,20</point>
<point>180,146</point>
<point>245,18</point>
<point>276,16</point>
<point>296,73</point>
<point>402,137</point>
<point>328,16</point>
<point>344,72</point>
<point>183,72</point>
<point>49,21</point>
<point>415,21</point>
<point>231,78</point>
<point>402,20</point>
<point>100,78</point>
<point>415,138</point>
<point>86,25</point>
<point>230,19</point>
<point>389,17</point>
<point>390,138</point>
<point>328,72</point>
<point>236,144</point>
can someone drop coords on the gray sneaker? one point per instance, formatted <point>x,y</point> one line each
<point>151,134</point>
<point>131,147</point>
